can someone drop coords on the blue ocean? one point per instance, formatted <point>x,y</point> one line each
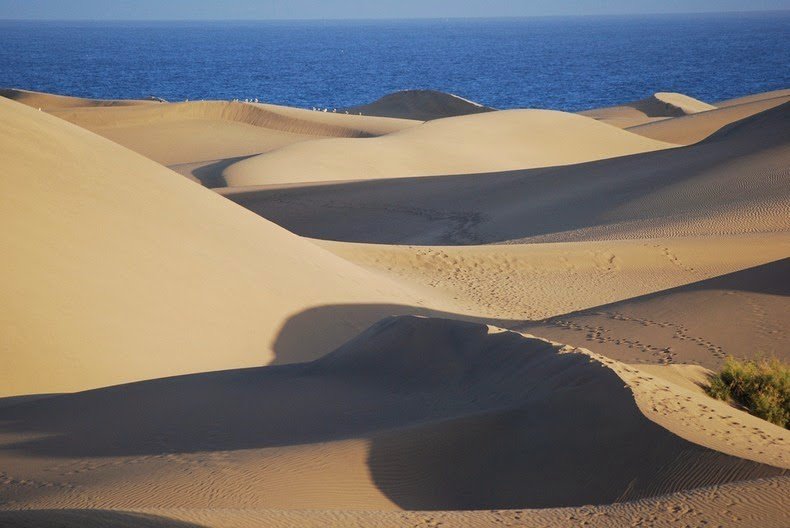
<point>567,63</point>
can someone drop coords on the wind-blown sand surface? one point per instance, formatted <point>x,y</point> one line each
<point>752,98</point>
<point>536,281</point>
<point>686,323</point>
<point>199,139</point>
<point>414,413</point>
<point>46,101</point>
<point>117,269</point>
<point>695,127</point>
<point>659,106</point>
<point>308,391</point>
<point>735,181</point>
<point>209,135</point>
<point>675,118</point>
<point>493,141</point>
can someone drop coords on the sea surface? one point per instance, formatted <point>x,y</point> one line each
<point>567,63</point>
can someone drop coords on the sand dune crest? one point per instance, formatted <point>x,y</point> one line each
<point>422,105</point>
<point>117,269</point>
<point>691,128</point>
<point>659,106</point>
<point>493,141</point>
<point>48,101</point>
<point>416,413</point>
<point>733,182</point>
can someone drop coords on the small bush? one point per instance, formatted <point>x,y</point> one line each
<point>763,387</point>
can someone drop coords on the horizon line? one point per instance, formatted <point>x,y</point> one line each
<point>362,19</point>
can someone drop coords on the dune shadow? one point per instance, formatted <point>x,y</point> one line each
<point>452,209</point>
<point>295,401</point>
<point>301,332</point>
<point>551,203</point>
<point>9,401</point>
<point>592,450</point>
<point>772,278</point>
<point>240,409</point>
<point>455,418</point>
<point>211,174</point>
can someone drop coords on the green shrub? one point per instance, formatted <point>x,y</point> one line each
<point>763,387</point>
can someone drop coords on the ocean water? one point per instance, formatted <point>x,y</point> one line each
<point>567,63</point>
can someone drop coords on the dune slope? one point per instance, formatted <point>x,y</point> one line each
<point>178,133</point>
<point>486,142</point>
<point>517,282</point>
<point>695,127</point>
<point>422,105</point>
<point>659,106</point>
<point>117,269</point>
<point>753,98</point>
<point>740,505</point>
<point>735,181</point>
<point>686,322</point>
<point>47,101</point>
<point>414,413</point>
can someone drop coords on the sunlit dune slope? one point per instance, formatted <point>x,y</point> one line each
<point>735,181</point>
<point>487,142</point>
<point>535,281</point>
<point>51,102</point>
<point>414,413</point>
<point>753,98</point>
<point>741,314</point>
<point>176,133</point>
<point>661,105</point>
<point>117,269</point>
<point>695,127</point>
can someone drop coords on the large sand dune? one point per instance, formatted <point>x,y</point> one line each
<point>518,282</point>
<point>199,139</point>
<point>47,101</point>
<point>422,105</point>
<point>414,413</point>
<point>188,132</point>
<point>685,323</point>
<point>735,181</point>
<point>695,127</point>
<point>659,106</point>
<point>493,141</point>
<point>118,269</point>
<point>751,98</point>
<point>266,398</point>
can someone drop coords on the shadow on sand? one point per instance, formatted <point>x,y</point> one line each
<point>457,418</point>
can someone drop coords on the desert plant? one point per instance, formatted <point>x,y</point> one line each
<point>762,387</point>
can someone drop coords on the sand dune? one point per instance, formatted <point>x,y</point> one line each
<point>503,140</point>
<point>518,282</point>
<point>262,395</point>
<point>671,104</point>
<point>179,133</point>
<point>47,101</point>
<point>422,105</point>
<point>414,413</point>
<point>695,127</point>
<point>740,505</point>
<point>753,98</point>
<point>117,269</point>
<point>660,105</point>
<point>685,323</point>
<point>735,181</point>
